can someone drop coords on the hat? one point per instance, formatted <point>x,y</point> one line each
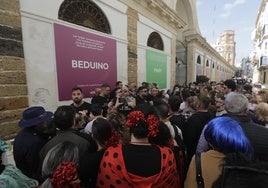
<point>33,116</point>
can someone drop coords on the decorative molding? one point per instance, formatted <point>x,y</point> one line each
<point>160,7</point>
<point>200,41</point>
<point>159,10</point>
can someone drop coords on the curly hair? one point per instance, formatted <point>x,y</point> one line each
<point>261,111</point>
<point>117,121</point>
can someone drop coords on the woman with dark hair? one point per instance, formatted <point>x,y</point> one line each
<point>225,136</point>
<point>139,163</point>
<point>104,136</point>
<point>164,138</point>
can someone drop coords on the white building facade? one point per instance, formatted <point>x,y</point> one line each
<point>260,40</point>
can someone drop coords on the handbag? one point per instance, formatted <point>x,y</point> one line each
<point>199,178</point>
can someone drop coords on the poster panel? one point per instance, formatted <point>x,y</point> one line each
<point>156,68</point>
<point>83,59</point>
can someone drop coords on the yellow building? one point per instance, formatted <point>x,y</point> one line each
<point>226,46</point>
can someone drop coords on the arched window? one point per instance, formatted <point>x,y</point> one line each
<point>85,13</point>
<point>213,65</point>
<point>155,41</point>
<point>207,63</point>
<point>198,60</point>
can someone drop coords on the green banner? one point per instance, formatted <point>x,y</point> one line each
<point>156,68</point>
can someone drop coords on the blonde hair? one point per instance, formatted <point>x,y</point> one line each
<point>261,111</point>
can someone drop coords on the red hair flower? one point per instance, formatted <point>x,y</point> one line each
<point>64,174</point>
<point>134,118</point>
<point>113,140</point>
<point>153,123</point>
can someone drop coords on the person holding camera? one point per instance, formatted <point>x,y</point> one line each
<point>122,102</point>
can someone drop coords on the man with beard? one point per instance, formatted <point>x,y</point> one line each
<point>82,108</point>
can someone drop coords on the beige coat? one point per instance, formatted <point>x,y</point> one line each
<point>211,169</point>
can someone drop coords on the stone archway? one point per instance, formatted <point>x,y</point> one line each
<point>155,41</point>
<point>84,13</point>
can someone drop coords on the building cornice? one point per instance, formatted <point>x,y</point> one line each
<point>200,41</point>
<point>158,9</point>
<point>168,13</point>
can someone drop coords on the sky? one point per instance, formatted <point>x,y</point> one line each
<point>215,16</point>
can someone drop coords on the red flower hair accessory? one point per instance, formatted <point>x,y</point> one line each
<point>153,123</point>
<point>134,118</point>
<point>113,140</point>
<point>64,174</point>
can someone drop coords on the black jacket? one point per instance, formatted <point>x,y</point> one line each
<point>257,135</point>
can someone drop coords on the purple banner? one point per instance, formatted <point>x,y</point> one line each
<point>83,59</point>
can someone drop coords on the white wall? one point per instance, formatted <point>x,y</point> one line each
<point>38,17</point>
<point>145,27</point>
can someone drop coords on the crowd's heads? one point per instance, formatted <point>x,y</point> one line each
<point>105,90</point>
<point>163,110</point>
<point>145,84</point>
<point>261,112</point>
<point>101,131</point>
<point>236,103</point>
<point>163,137</point>
<point>117,122</point>
<point>125,91</point>
<point>64,117</point>
<point>230,85</point>
<point>132,86</point>
<point>247,88</point>
<point>174,103</point>
<point>204,101</point>
<point>119,84</point>
<point>185,94</point>
<point>226,135</point>
<point>97,91</point>
<point>142,91</point>
<point>96,109</point>
<point>60,165</point>
<point>192,102</point>
<point>154,91</point>
<point>77,95</point>
<point>262,95</point>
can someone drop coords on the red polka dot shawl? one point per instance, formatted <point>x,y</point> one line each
<point>113,172</point>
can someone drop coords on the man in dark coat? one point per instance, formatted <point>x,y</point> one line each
<point>30,140</point>
<point>64,121</point>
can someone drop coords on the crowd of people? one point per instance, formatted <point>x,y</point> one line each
<point>189,136</point>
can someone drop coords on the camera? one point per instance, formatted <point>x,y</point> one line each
<point>123,100</point>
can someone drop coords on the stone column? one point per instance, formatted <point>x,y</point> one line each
<point>13,95</point>
<point>132,45</point>
<point>172,61</point>
<point>191,67</point>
